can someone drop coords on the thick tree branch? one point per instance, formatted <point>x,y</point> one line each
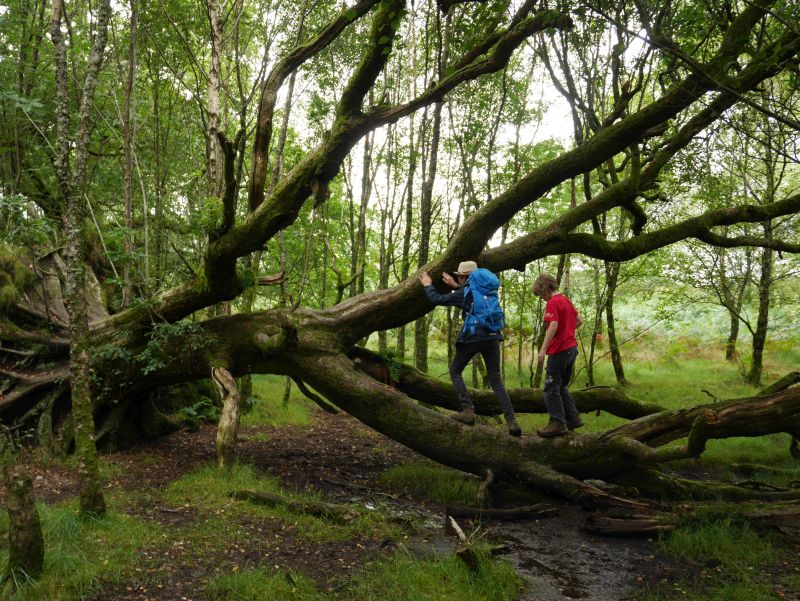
<point>269,93</point>
<point>595,246</point>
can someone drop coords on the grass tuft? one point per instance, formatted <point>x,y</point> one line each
<point>736,547</point>
<point>261,585</point>
<point>403,578</point>
<point>430,482</point>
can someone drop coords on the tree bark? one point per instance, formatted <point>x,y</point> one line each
<point>612,274</point>
<point>128,126</point>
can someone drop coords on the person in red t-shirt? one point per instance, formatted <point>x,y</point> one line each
<point>559,343</point>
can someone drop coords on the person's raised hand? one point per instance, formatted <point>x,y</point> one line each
<point>425,279</point>
<point>448,279</point>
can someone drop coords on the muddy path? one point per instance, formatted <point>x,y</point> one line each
<point>342,460</point>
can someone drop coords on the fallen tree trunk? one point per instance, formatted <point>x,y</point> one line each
<point>434,391</point>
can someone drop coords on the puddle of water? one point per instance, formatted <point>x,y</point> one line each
<point>557,560</point>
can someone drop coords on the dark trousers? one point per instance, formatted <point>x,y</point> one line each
<point>490,351</point>
<point>558,373</point>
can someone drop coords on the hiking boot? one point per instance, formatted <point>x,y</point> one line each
<point>574,424</point>
<point>513,427</point>
<point>554,428</point>
<point>465,416</point>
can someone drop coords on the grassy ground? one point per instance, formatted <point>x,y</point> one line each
<point>398,578</point>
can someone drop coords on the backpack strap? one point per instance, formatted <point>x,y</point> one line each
<point>469,322</point>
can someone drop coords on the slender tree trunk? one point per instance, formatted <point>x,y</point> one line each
<point>426,213</point>
<point>612,275</point>
<point>360,253</point>
<point>71,185</point>
<point>409,200</point>
<point>128,126</point>
<point>733,336</point>
<point>422,325</point>
<point>409,219</point>
<point>597,322</point>
<point>387,230</point>
<point>214,125</point>
<point>762,323</point>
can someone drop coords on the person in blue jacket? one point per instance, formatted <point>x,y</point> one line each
<point>470,342</point>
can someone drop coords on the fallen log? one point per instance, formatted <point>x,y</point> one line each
<point>527,512</point>
<point>634,525</point>
<point>338,513</point>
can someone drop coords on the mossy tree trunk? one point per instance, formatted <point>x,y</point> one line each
<point>25,541</point>
<point>71,180</point>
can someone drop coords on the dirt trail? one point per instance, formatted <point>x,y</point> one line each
<point>342,459</point>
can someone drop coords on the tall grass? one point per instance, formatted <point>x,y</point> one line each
<point>403,578</point>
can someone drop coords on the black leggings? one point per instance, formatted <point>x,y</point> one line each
<point>490,351</point>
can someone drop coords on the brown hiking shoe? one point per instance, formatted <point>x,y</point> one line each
<point>554,428</point>
<point>513,427</point>
<point>574,424</point>
<point>465,416</point>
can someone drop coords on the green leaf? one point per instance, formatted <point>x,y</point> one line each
<point>351,14</point>
<point>383,40</point>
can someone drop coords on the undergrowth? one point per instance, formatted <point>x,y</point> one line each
<point>82,555</point>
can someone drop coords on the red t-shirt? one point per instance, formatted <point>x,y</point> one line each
<point>560,309</point>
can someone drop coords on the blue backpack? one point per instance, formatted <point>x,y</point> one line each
<point>485,311</point>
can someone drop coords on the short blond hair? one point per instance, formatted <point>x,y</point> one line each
<point>544,283</point>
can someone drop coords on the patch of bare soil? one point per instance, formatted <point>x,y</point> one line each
<point>341,459</point>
